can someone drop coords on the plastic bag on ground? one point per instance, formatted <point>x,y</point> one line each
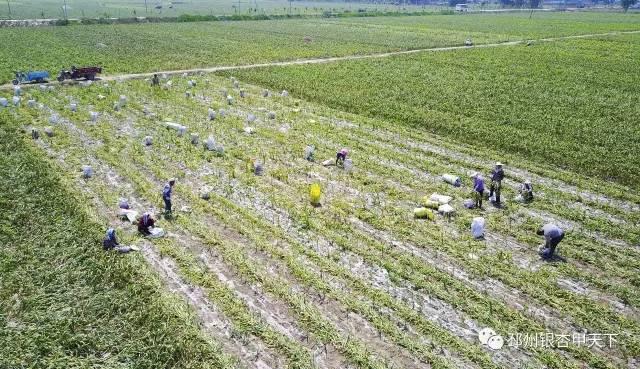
<point>210,143</point>
<point>423,213</point>
<point>156,232</point>
<point>452,180</point>
<point>130,215</point>
<point>446,209</point>
<point>440,199</point>
<point>348,165</point>
<point>469,203</point>
<point>328,162</point>
<point>87,171</point>
<point>308,153</point>
<point>477,227</point>
<point>314,193</point>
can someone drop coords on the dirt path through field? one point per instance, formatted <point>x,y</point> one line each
<point>332,59</point>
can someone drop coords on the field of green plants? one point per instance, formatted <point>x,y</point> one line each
<point>152,47</point>
<point>354,283</point>
<point>251,273</point>
<point>64,305</point>
<point>31,9</point>
<point>572,104</point>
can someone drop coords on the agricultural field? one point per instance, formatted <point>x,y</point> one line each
<point>274,261</point>
<point>356,282</point>
<point>168,46</point>
<point>32,9</point>
<point>571,104</point>
<point>64,305</point>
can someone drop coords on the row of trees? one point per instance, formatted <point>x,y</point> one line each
<point>537,3</point>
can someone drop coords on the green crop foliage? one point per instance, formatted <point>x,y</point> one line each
<point>574,108</point>
<point>66,303</point>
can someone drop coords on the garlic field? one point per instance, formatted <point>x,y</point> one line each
<point>355,282</point>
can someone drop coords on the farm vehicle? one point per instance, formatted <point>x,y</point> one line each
<point>30,77</point>
<point>88,73</point>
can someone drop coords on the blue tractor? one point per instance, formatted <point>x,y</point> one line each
<point>30,77</point>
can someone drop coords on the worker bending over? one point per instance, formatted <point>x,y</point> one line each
<point>478,189</point>
<point>146,222</point>
<point>166,195</point>
<point>552,236</point>
<point>110,242</point>
<point>497,175</point>
<point>341,156</point>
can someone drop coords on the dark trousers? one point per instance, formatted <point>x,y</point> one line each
<point>478,198</point>
<point>550,246</point>
<point>495,188</point>
<point>167,205</point>
<point>340,158</point>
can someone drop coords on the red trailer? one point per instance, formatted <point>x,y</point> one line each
<point>88,73</point>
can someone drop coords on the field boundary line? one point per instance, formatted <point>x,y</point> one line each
<point>130,76</point>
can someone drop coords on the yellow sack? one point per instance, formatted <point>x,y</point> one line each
<point>423,213</point>
<point>315,193</point>
<point>428,203</point>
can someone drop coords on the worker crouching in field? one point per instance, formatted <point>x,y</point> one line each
<point>155,81</point>
<point>526,191</point>
<point>110,242</point>
<point>145,223</point>
<point>166,195</point>
<point>552,236</point>
<point>478,190</point>
<point>497,175</point>
<point>341,156</point>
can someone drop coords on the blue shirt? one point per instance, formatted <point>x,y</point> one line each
<point>166,192</point>
<point>552,231</point>
<point>478,184</point>
<point>497,175</point>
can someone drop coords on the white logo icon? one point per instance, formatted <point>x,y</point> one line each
<point>489,337</point>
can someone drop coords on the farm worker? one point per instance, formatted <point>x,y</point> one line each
<point>526,191</point>
<point>341,156</point>
<point>155,81</point>
<point>166,195</point>
<point>110,242</point>
<point>478,189</point>
<point>552,236</point>
<point>497,175</point>
<point>145,222</point>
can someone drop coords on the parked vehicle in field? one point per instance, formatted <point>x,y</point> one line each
<point>88,73</point>
<point>30,77</point>
<point>462,7</point>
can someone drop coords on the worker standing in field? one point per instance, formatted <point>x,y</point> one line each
<point>497,175</point>
<point>552,236</point>
<point>146,222</point>
<point>155,81</point>
<point>166,195</point>
<point>341,156</point>
<point>478,189</point>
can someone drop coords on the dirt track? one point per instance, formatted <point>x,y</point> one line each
<point>329,60</point>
